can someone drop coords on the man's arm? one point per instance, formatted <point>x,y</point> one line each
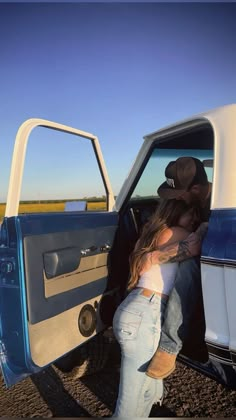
<point>182,250</point>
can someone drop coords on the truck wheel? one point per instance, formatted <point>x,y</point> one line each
<point>87,359</point>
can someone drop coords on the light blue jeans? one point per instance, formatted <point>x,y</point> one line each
<point>137,326</point>
<point>181,305</point>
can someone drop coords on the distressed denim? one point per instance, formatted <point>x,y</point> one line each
<point>180,306</point>
<point>137,326</point>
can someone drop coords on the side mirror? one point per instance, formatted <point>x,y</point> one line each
<point>75,206</point>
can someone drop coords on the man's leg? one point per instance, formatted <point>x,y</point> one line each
<point>179,311</point>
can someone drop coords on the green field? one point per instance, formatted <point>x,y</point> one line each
<point>51,207</point>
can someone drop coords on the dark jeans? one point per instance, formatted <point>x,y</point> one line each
<point>181,304</point>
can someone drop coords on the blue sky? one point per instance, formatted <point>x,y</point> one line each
<point>118,70</point>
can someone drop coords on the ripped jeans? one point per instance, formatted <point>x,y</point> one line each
<point>137,327</point>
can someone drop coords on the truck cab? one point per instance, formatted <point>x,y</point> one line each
<point>63,273</point>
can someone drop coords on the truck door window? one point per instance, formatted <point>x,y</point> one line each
<point>61,173</point>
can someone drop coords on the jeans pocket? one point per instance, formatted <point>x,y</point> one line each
<point>126,325</point>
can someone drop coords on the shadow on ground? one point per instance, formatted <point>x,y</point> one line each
<point>59,401</point>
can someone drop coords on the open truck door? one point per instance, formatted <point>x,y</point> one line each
<point>53,269</point>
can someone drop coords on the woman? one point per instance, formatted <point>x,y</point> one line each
<point>137,321</point>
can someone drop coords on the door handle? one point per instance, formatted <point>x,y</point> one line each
<point>87,250</point>
<point>105,248</point>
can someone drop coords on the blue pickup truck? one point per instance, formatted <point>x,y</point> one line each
<point>62,274</point>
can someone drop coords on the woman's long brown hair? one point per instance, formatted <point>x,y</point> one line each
<point>167,215</point>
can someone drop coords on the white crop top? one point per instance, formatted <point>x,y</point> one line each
<point>159,278</point>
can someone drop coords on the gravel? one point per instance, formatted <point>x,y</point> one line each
<point>52,393</point>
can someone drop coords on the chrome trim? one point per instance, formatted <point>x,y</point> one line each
<point>218,261</point>
<point>219,352</point>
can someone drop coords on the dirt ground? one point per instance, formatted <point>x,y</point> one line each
<point>52,393</point>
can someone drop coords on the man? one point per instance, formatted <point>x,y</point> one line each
<point>186,179</point>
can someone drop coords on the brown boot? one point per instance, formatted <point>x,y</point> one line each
<point>161,365</point>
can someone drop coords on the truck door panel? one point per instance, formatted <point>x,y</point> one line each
<point>219,287</point>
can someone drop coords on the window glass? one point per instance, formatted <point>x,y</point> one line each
<point>61,173</point>
<point>154,171</point>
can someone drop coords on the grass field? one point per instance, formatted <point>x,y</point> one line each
<point>50,207</point>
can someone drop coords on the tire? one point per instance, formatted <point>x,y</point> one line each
<point>87,359</point>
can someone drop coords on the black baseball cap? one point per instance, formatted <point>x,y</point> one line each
<point>181,175</point>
